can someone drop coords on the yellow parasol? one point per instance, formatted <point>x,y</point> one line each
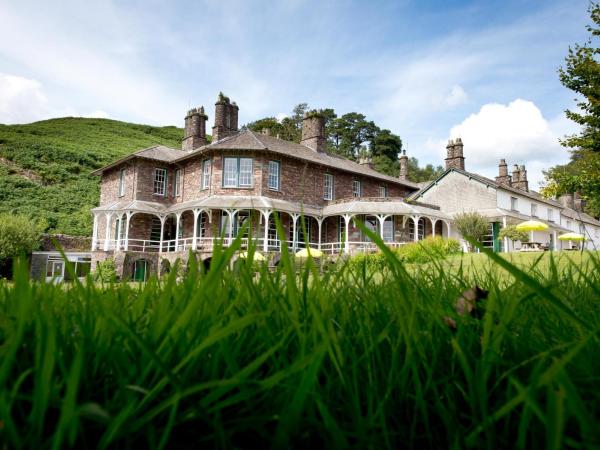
<point>306,252</point>
<point>256,256</point>
<point>571,237</point>
<point>532,225</point>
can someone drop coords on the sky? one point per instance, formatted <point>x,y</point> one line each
<point>485,71</point>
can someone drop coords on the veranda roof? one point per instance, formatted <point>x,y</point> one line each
<point>386,206</point>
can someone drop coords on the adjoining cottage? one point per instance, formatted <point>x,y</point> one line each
<point>159,203</point>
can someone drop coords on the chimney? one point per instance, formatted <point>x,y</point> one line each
<point>503,176</point>
<point>313,131</point>
<point>226,118</point>
<point>403,166</point>
<point>194,133</point>
<point>567,200</point>
<point>519,180</point>
<point>578,202</point>
<point>454,156</point>
<point>515,176</point>
<point>365,160</point>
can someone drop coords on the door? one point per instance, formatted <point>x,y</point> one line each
<point>139,270</point>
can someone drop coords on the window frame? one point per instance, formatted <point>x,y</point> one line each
<point>177,183</point>
<point>164,181</point>
<point>328,186</point>
<point>269,173</point>
<point>534,210</point>
<point>205,181</point>
<point>514,203</point>
<point>384,189</point>
<point>356,193</point>
<point>238,166</point>
<point>122,173</point>
<point>550,215</point>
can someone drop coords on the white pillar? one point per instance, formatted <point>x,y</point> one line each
<point>107,231</point>
<point>294,233</point>
<point>433,223</point>
<point>129,214</point>
<point>95,232</point>
<point>416,223</point>
<point>554,241</point>
<point>197,213</point>
<point>162,232</point>
<point>231,214</point>
<point>347,218</point>
<point>177,225</point>
<point>504,224</point>
<point>381,220</point>
<point>449,230</point>
<point>266,214</point>
<point>320,224</point>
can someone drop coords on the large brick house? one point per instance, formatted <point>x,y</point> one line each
<point>160,203</point>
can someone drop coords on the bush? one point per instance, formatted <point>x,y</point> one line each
<point>106,271</point>
<point>428,249</point>
<point>18,236</point>
<point>472,225</point>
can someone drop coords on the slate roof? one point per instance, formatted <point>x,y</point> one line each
<point>156,153</point>
<point>580,216</point>
<point>488,181</point>
<point>250,140</point>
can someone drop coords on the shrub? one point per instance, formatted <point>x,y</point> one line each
<point>106,271</point>
<point>428,249</point>
<point>18,236</point>
<point>472,225</point>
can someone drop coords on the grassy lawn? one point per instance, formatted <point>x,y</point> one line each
<point>344,359</point>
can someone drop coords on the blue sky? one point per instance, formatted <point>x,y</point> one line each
<point>427,70</point>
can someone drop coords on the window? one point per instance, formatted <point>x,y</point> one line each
<point>582,229</point>
<point>328,187</point>
<point>122,183</point>
<point>245,172</point>
<point>273,182</point>
<point>569,224</point>
<point>383,191</point>
<point>237,172</point>
<point>206,174</point>
<point>356,188</point>
<point>514,203</point>
<point>533,210</point>
<point>160,181</point>
<point>177,183</point>
<point>550,215</point>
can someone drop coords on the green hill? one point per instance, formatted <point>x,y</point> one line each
<point>45,166</point>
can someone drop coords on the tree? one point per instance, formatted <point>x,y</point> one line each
<point>581,74</point>
<point>512,234</point>
<point>427,173</point>
<point>18,236</point>
<point>473,226</point>
<point>347,134</point>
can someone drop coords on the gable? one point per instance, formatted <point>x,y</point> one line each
<point>455,192</point>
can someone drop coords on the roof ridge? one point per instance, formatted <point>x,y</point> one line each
<point>253,134</point>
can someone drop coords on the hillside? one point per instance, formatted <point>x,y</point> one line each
<point>45,166</point>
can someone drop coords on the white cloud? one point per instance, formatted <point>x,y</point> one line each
<point>456,96</point>
<point>98,114</point>
<point>21,99</point>
<point>517,132</point>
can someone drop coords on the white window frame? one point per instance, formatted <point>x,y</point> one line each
<point>177,183</point>
<point>273,179</point>
<point>356,188</point>
<point>122,182</point>
<point>243,179</point>
<point>534,210</point>
<point>514,204</point>
<point>206,168</point>
<point>383,191</point>
<point>160,185</point>
<point>328,184</point>
<point>550,215</point>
